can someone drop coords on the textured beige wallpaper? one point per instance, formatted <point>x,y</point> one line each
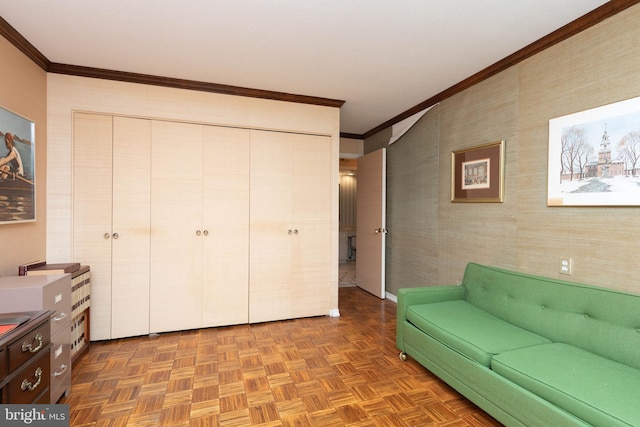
<point>23,91</point>
<point>596,67</point>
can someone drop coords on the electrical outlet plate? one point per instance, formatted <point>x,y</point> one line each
<point>566,265</point>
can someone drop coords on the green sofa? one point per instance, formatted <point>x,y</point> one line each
<point>529,350</point>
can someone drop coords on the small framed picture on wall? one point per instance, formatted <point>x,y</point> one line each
<point>477,173</point>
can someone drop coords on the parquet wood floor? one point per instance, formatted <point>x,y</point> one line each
<point>319,371</point>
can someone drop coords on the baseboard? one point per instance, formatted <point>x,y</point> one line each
<point>391,297</point>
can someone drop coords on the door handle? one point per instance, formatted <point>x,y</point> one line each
<point>381,231</point>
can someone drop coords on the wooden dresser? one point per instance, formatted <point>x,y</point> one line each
<point>25,359</point>
<point>46,292</point>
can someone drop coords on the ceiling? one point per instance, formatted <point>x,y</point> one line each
<point>382,57</point>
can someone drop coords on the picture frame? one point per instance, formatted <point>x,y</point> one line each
<point>594,156</point>
<point>17,168</point>
<point>477,174</point>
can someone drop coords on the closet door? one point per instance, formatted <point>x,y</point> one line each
<point>225,217</point>
<point>176,224</point>
<point>92,211</point>
<point>111,220</point>
<point>270,277</point>
<point>290,260</point>
<point>131,227</point>
<point>311,254</point>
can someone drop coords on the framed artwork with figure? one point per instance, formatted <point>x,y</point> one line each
<point>17,168</point>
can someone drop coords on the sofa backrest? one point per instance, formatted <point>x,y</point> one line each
<point>600,320</point>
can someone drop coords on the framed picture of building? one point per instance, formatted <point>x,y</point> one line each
<point>477,173</point>
<point>594,157</point>
<point>17,168</point>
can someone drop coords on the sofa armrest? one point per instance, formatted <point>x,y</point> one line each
<point>422,295</point>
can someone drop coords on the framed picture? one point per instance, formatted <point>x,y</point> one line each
<point>594,157</point>
<point>17,169</point>
<point>477,173</point>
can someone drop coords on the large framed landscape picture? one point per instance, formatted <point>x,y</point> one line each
<point>594,157</point>
<point>17,169</point>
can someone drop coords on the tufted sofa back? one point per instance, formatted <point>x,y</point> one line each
<point>600,320</point>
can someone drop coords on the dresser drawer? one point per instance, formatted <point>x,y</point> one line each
<point>3,363</point>
<point>31,380</point>
<point>61,320</point>
<point>28,346</point>
<point>60,364</point>
<point>57,297</point>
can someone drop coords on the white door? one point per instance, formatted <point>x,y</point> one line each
<point>371,223</point>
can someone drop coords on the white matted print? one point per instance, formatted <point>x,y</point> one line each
<point>476,174</point>
<point>594,157</point>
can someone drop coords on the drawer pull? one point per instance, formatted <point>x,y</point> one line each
<point>59,317</point>
<point>61,371</point>
<point>27,385</point>
<point>26,345</point>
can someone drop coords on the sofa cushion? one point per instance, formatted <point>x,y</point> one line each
<point>600,320</point>
<point>469,330</point>
<point>595,389</point>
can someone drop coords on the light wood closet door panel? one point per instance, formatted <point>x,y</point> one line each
<point>92,197</point>
<point>311,255</point>
<point>271,206</point>
<point>176,216</point>
<point>290,259</point>
<point>131,222</point>
<point>225,198</point>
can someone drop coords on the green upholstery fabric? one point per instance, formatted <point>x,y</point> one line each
<point>510,341</point>
<point>602,321</point>
<point>509,403</point>
<point>598,390</point>
<point>470,330</point>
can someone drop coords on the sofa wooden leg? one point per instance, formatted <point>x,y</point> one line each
<point>403,356</point>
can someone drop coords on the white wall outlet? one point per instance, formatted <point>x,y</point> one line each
<point>566,265</point>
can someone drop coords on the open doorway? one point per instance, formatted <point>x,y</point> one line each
<point>347,233</point>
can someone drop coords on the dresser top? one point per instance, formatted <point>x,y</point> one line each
<point>33,318</point>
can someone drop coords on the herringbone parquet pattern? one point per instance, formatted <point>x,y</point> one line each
<point>319,371</point>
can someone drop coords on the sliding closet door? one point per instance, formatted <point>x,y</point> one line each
<point>176,216</point>
<point>111,220</point>
<point>311,215</point>
<point>92,209</point>
<point>225,218</point>
<point>131,227</point>
<point>270,278</point>
<point>290,260</point>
